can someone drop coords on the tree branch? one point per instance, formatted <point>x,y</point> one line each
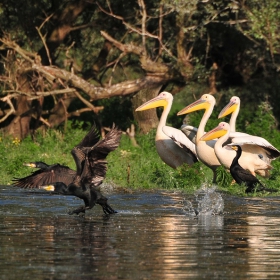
<point>12,110</point>
<point>97,93</point>
<point>144,18</point>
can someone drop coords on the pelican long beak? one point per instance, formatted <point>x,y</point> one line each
<point>49,188</point>
<point>200,104</point>
<point>158,101</point>
<point>228,109</point>
<point>30,164</point>
<point>217,132</point>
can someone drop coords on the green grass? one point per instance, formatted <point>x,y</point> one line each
<point>129,166</point>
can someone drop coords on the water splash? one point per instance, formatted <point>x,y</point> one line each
<point>129,212</point>
<point>207,202</point>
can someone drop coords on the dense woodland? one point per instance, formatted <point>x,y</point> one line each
<point>96,61</point>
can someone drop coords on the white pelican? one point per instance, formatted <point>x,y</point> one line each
<point>172,154</point>
<point>232,108</point>
<point>251,158</point>
<point>204,150</point>
<point>265,149</point>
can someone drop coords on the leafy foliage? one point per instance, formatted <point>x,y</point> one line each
<point>224,178</point>
<point>264,124</point>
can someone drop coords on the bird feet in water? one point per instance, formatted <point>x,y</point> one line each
<point>77,211</point>
<point>102,201</point>
<point>107,209</point>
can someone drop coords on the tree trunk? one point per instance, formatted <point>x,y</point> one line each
<point>19,126</point>
<point>147,119</point>
<point>59,112</point>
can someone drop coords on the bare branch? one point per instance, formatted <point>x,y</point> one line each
<point>123,47</point>
<point>144,17</point>
<point>115,65</point>
<point>42,120</point>
<point>39,94</point>
<point>77,113</point>
<point>47,19</point>
<point>52,74</point>
<point>12,108</point>
<point>160,30</point>
<point>97,93</point>
<point>45,45</point>
<point>134,29</point>
<point>87,103</point>
<point>43,37</point>
<point>25,54</point>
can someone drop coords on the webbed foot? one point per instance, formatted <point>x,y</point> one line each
<point>102,201</point>
<point>107,209</point>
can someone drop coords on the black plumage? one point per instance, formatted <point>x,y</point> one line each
<point>91,167</point>
<point>242,176</point>
<point>46,174</point>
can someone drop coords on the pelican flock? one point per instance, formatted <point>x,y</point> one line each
<point>249,160</point>
<point>213,148</point>
<point>250,143</point>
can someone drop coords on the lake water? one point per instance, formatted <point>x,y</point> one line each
<point>153,236</point>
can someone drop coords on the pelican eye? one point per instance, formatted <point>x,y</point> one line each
<point>260,156</point>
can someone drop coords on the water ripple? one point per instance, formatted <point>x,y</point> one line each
<point>155,235</point>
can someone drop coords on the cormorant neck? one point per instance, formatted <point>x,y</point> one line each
<point>238,154</point>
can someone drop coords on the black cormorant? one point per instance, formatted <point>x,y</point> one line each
<point>48,174</point>
<point>91,167</point>
<point>242,176</point>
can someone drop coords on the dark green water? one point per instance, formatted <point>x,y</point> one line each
<point>151,237</point>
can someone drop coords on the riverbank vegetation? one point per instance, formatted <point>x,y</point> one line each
<point>130,166</point>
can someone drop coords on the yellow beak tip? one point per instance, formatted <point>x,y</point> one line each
<point>49,188</point>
